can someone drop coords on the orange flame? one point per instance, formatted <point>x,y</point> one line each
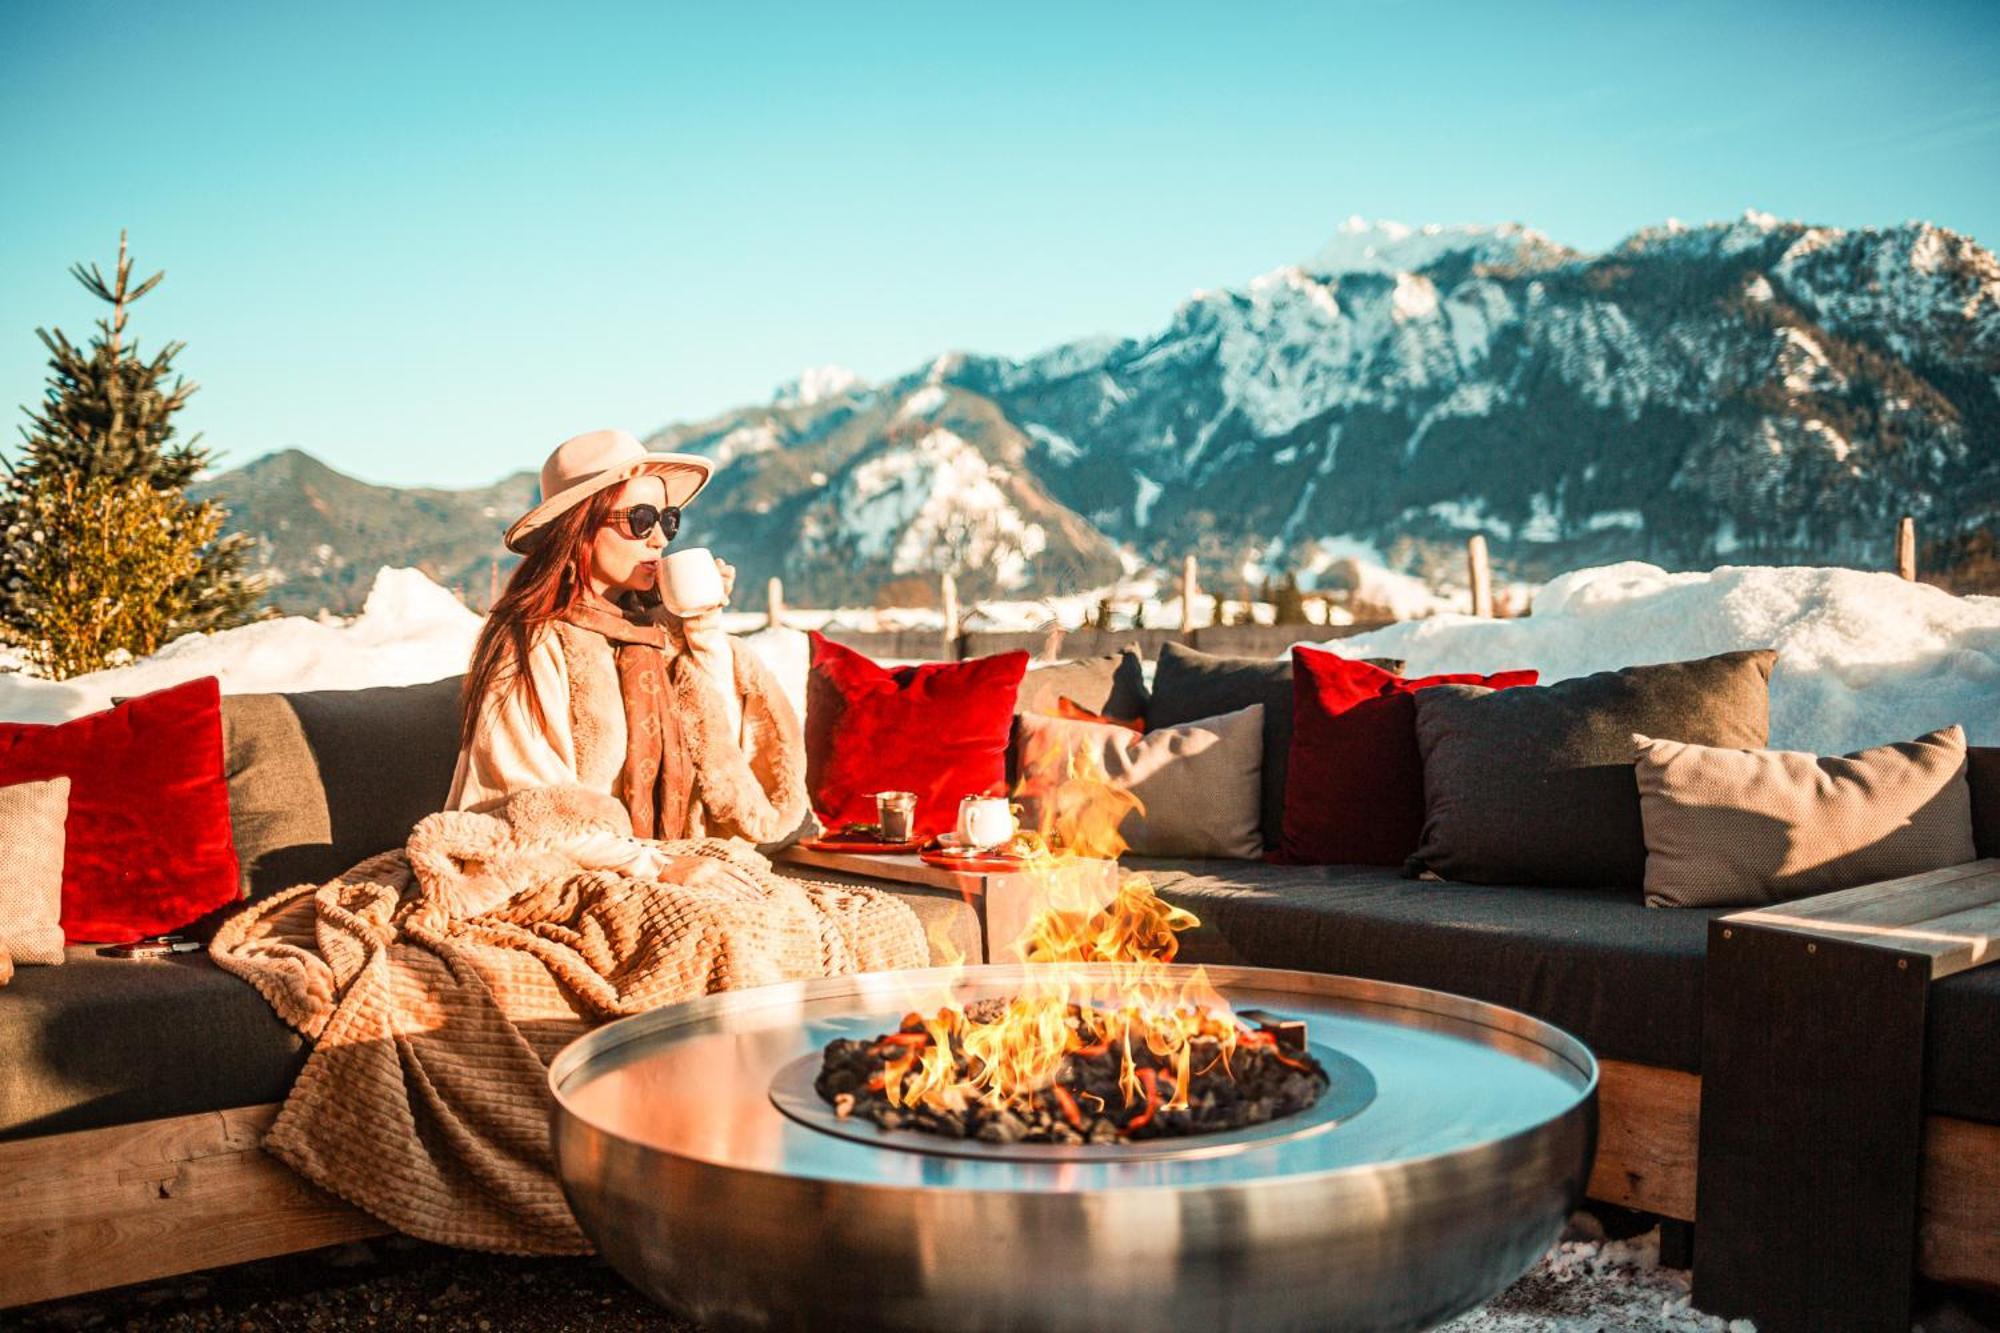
<point>1087,911</point>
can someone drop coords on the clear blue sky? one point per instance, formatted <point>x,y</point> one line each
<point>426,241</point>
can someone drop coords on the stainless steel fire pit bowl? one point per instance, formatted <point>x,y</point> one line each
<point>1392,1210</point>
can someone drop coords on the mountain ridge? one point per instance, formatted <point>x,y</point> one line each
<point>1754,389</point>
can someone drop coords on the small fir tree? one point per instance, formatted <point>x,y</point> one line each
<point>103,444</point>
<point>107,569</point>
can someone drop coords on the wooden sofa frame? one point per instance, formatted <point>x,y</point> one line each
<point>129,1203</point>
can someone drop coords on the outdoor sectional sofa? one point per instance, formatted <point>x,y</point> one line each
<point>133,1094</point>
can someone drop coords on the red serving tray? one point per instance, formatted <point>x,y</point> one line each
<point>974,865</point>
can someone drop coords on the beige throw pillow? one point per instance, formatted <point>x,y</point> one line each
<point>1200,783</point>
<point>32,815</point>
<point>1727,828</point>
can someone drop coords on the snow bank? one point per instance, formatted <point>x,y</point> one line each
<point>410,630</point>
<point>1863,659</point>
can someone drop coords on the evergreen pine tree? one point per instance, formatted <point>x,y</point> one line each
<point>104,430</point>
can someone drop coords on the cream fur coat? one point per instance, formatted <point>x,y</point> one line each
<point>745,742</point>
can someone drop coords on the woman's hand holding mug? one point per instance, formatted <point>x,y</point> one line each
<point>694,583</point>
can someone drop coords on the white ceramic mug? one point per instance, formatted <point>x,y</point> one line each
<point>986,821</point>
<point>690,582</point>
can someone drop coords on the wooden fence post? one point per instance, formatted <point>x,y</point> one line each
<point>1189,587</point>
<point>1906,548</point>
<point>1481,574</point>
<point>948,589</point>
<point>774,602</point>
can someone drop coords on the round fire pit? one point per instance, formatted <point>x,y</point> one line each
<point>1454,1140</point>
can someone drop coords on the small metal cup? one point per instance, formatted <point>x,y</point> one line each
<point>896,813</point>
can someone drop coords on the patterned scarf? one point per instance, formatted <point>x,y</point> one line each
<point>658,777</point>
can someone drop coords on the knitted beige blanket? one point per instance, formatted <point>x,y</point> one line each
<point>439,981</point>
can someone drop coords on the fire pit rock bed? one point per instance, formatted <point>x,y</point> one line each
<point>1085,1104</point>
<point>1451,1143</point>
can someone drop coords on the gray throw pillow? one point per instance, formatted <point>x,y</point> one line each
<point>1743,828</point>
<point>323,779</point>
<point>1535,785</point>
<point>1189,684</point>
<point>1196,784</point>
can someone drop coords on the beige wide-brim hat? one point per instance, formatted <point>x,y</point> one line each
<point>585,464</point>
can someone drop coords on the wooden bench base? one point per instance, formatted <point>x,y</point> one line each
<point>104,1207</point>
<point>129,1203</point>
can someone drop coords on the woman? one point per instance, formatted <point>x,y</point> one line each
<point>583,873</point>
<point>581,678</point>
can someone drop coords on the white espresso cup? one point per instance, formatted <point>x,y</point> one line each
<point>690,582</point>
<point>986,821</point>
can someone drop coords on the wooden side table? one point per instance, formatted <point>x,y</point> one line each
<point>1812,1112</point>
<point>1003,902</point>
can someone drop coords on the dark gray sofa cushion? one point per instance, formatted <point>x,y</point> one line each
<point>1535,785</point>
<point>1189,685</point>
<point>323,779</point>
<point>1114,684</point>
<point>107,1041</point>
<point>1625,978</point>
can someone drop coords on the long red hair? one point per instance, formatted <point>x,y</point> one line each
<point>545,584</point>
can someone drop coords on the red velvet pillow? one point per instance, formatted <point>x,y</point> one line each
<point>147,848</point>
<point>939,730</point>
<point>1354,791</point>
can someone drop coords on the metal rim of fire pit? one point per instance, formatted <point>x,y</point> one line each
<point>1429,1199</point>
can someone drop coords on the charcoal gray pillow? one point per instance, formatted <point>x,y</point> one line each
<point>1113,685</point>
<point>1189,684</point>
<point>1536,786</point>
<point>323,779</point>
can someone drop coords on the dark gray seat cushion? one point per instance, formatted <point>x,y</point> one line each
<point>107,1041</point>
<point>1114,685</point>
<point>1625,978</point>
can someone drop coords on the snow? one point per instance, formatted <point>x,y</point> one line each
<point>1361,246</point>
<point>1586,1283</point>
<point>1864,658</point>
<point>409,631</point>
<point>914,505</point>
<point>1415,297</point>
<point>1061,448</point>
<point>1142,505</point>
<point>760,438</point>
<point>925,401</point>
<point>815,384</point>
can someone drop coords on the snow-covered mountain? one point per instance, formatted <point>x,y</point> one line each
<point>1748,390</point>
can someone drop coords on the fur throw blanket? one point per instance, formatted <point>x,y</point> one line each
<point>439,981</point>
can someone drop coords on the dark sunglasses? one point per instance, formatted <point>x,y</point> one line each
<point>640,520</point>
